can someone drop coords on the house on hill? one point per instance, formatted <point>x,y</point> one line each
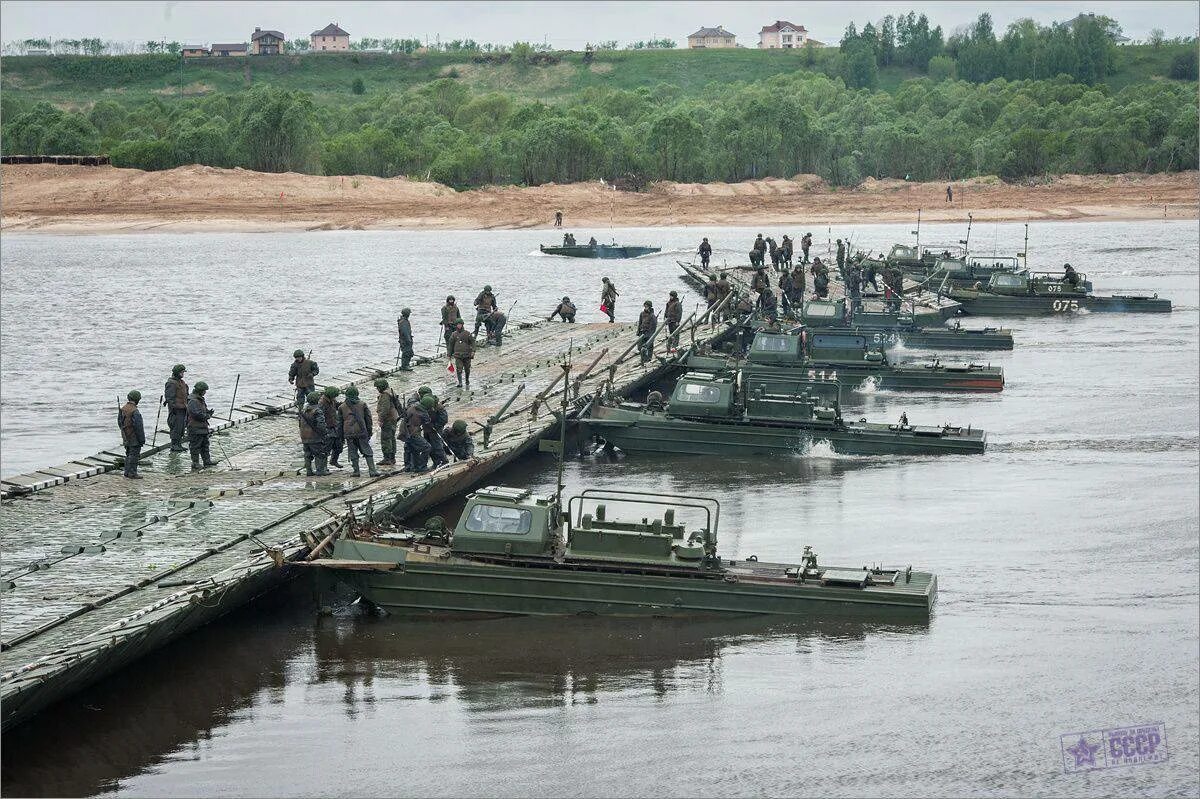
<point>707,38</point>
<point>194,51</point>
<point>329,38</point>
<point>266,42</point>
<point>223,50</point>
<point>782,35</point>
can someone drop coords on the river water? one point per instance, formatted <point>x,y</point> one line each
<point>1066,556</point>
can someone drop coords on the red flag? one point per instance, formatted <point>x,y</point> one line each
<point>603,308</point>
<point>450,367</point>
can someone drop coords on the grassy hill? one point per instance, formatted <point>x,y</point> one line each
<point>76,82</point>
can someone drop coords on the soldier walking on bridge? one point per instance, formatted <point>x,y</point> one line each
<point>608,299</point>
<point>133,433</point>
<point>356,427</point>
<point>705,252</point>
<point>314,435</point>
<point>301,373</point>
<point>805,245</point>
<point>450,319</point>
<point>175,397</point>
<point>198,414</point>
<point>404,335</point>
<point>462,349</point>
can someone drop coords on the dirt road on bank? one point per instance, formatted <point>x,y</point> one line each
<point>199,198</point>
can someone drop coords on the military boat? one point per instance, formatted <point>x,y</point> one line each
<point>847,359</point>
<point>516,553</point>
<point>736,414</point>
<point>1048,293</point>
<point>889,329</point>
<point>600,250</point>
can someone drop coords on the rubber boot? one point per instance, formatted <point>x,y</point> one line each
<point>308,463</point>
<point>371,470</point>
<point>354,464</point>
<point>322,466</point>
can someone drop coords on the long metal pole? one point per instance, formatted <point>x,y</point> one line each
<point>162,401</point>
<point>235,388</point>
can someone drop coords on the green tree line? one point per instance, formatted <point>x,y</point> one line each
<point>785,125</point>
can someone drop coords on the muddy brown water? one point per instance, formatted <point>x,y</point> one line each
<point>1066,555</point>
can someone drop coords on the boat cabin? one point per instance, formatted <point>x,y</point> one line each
<point>794,350</point>
<point>754,398</point>
<point>922,256</point>
<point>1040,284</point>
<point>832,313</point>
<point>506,521</point>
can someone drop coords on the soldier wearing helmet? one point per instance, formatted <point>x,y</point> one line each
<point>565,310</point>
<point>133,433</point>
<point>357,429</point>
<point>175,397</point>
<point>313,435</point>
<point>458,440</point>
<point>301,373</point>
<point>485,303</point>
<point>450,318</point>
<point>404,335</point>
<point>329,405</point>
<point>198,414</point>
<point>387,410</point>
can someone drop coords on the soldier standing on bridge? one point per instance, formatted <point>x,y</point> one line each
<point>462,348</point>
<point>333,424</point>
<point>785,247</point>
<point>565,310</point>
<point>711,291</point>
<point>175,397</point>
<point>405,337</point>
<point>438,417</point>
<point>841,258</point>
<point>313,435</point>
<point>673,316</point>
<point>799,284</point>
<point>608,299</point>
<point>301,373</point>
<point>357,429</point>
<point>805,245</point>
<point>450,318</point>
<point>646,326</point>
<point>723,289</point>
<point>705,252</point>
<point>133,433</point>
<point>387,411</point>
<point>416,446</point>
<point>198,415</point>
<point>485,303</point>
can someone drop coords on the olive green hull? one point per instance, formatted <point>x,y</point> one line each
<point>938,338</point>
<point>982,303</point>
<point>512,590</point>
<point>849,377</point>
<point>633,431</point>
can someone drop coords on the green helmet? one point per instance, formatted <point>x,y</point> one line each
<point>405,311</point>
<point>332,391</point>
<point>298,354</point>
<point>178,369</point>
<point>428,401</point>
<point>352,392</point>
<point>423,390</point>
<point>201,387</point>
<point>381,384</point>
<point>313,397</point>
<point>487,288</point>
<point>648,304</point>
<point>459,426</point>
<point>134,396</point>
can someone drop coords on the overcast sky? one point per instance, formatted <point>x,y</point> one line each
<point>564,24</point>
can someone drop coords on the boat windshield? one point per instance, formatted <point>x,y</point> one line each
<point>499,519</point>
<point>772,343</point>
<point>1008,281</point>
<point>697,392</point>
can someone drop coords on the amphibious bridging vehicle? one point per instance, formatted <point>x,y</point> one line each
<point>780,358</point>
<point>888,329</point>
<point>733,414</point>
<point>512,552</point>
<point>600,250</point>
<point>1035,293</point>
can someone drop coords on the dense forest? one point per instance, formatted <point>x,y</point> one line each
<point>1031,102</point>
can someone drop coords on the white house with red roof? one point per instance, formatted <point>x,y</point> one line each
<point>782,35</point>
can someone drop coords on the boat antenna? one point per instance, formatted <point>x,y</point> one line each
<point>562,430</point>
<point>1025,251</point>
<point>966,243</point>
<point>917,232</point>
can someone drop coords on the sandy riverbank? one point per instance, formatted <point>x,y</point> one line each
<point>198,198</point>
